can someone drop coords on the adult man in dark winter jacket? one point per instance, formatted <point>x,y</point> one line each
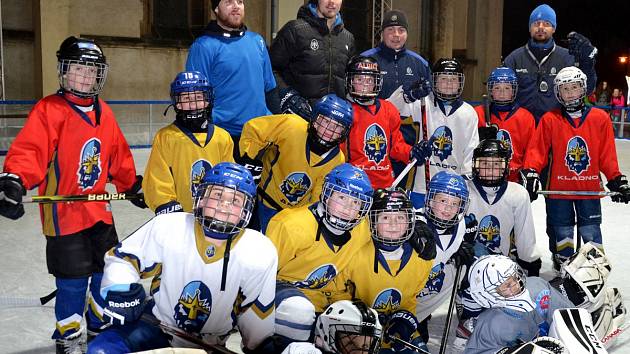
<point>309,55</point>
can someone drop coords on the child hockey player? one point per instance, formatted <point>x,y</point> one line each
<point>449,128</point>
<point>185,150</point>
<point>315,243</point>
<point>375,137</point>
<point>294,155</point>
<point>583,147</point>
<point>213,272</point>
<point>508,122</point>
<point>71,144</point>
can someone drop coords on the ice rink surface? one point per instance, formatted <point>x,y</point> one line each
<point>23,276</point>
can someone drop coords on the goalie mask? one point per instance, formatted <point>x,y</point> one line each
<point>491,161</point>
<point>447,200</point>
<point>497,281</point>
<point>330,123</point>
<point>191,97</point>
<point>570,88</point>
<point>348,327</point>
<point>81,67</point>
<point>586,272</point>
<point>502,86</point>
<point>346,197</point>
<point>391,218</point>
<point>225,200</point>
<point>364,80</point>
<point>448,79</point>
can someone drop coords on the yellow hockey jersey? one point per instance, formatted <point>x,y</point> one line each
<point>305,258</point>
<point>385,285</point>
<point>292,175</point>
<point>179,159</point>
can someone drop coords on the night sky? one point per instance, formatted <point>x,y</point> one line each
<point>605,23</point>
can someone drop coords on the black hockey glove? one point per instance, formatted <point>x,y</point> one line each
<point>465,255</point>
<point>417,90</point>
<point>488,132</point>
<point>401,324</point>
<point>620,185</point>
<point>254,166</point>
<point>11,192</point>
<point>423,241</point>
<point>167,208</point>
<point>532,268</point>
<point>472,226</point>
<point>122,307</point>
<point>421,151</point>
<point>137,189</point>
<point>581,49</point>
<point>292,102</point>
<point>536,346</point>
<point>531,181</point>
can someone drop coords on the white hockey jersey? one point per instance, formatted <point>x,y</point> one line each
<point>454,137</point>
<point>187,292</point>
<point>441,278</point>
<point>504,215</point>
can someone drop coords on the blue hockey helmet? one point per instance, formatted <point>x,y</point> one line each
<point>191,97</point>
<point>223,212</point>
<point>447,199</point>
<point>346,196</point>
<point>330,122</point>
<point>502,75</point>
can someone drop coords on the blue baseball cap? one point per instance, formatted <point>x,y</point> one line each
<point>543,12</point>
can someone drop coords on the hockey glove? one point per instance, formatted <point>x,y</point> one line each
<point>254,166</point>
<point>487,132</point>
<point>417,90</point>
<point>421,151</point>
<point>620,185</point>
<point>423,241</point>
<point>167,208</point>
<point>11,192</point>
<point>554,345</point>
<point>123,307</point>
<point>292,102</point>
<point>531,181</point>
<point>137,189</point>
<point>581,49</point>
<point>472,227</point>
<point>531,268</point>
<point>525,348</point>
<point>465,255</point>
<point>401,324</point>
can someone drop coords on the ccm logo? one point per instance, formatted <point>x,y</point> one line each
<point>135,302</point>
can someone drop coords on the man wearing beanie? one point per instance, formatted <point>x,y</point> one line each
<point>406,74</point>
<point>309,56</point>
<point>537,62</point>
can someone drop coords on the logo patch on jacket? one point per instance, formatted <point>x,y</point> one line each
<point>194,307</point>
<point>197,172</point>
<point>90,165</point>
<point>295,186</point>
<point>314,44</point>
<point>577,158</point>
<point>490,233</point>
<point>375,143</point>
<point>442,142</point>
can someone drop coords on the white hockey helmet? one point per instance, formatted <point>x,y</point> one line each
<point>348,326</point>
<point>566,76</point>
<point>492,279</point>
<point>588,268</point>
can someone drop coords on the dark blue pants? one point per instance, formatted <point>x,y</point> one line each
<point>562,217</point>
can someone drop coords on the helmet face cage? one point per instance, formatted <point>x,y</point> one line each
<point>222,210</point>
<point>364,80</point>
<point>82,78</point>
<point>445,201</point>
<point>490,171</point>
<point>491,275</point>
<point>337,200</point>
<point>328,132</point>
<point>501,87</point>
<point>349,340</point>
<point>570,82</point>
<point>391,217</point>
<point>448,86</point>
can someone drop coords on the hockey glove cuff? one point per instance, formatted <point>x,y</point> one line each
<point>465,255</point>
<point>11,192</point>
<point>122,307</point>
<point>620,185</point>
<point>167,208</point>
<point>401,324</point>
<point>472,226</point>
<point>421,151</point>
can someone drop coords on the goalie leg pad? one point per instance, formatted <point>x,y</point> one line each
<point>574,328</point>
<point>610,316</point>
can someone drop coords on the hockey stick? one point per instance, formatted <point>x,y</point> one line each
<point>411,346</point>
<point>82,198</point>
<point>189,337</point>
<point>427,174</point>
<point>403,173</point>
<point>579,193</point>
<point>486,109</point>
<point>449,313</point>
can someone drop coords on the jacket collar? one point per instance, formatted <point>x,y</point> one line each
<point>309,14</point>
<point>213,29</point>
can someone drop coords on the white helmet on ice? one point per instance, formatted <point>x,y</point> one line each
<point>588,268</point>
<point>348,326</point>
<point>569,95</point>
<point>497,281</point>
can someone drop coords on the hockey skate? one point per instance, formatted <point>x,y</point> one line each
<point>74,344</point>
<point>463,332</point>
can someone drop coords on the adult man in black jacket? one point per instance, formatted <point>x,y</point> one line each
<point>309,55</point>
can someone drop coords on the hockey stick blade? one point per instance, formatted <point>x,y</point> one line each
<point>45,299</point>
<point>411,346</point>
<point>579,193</point>
<point>174,331</point>
<point>104,197</point>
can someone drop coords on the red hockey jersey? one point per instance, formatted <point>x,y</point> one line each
<point>580,150</point>
<point>66,151</point>
<point>516,129</point>
<point>374,140</point>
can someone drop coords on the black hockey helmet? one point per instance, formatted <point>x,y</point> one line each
<point>91,67</point>
<point>442,69</point>
<point>82,49</point>
<point>391,201</point>
<point>363,66</point>
<point>484,171</point>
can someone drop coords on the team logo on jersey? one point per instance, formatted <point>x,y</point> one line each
<point>387,301</point>
<point>435,282</point>
<point>314,44</point>
<point>375,143</point>
<point>442,142</point>
<point>197,172</point>
<point>193,308</point>
<point>90,164</point>
<point>295,186</point>
<point>506,140</point>
<point>577,158</point>
<point>490,233</point>
<point>542,302</point>
<point>318,278</point>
